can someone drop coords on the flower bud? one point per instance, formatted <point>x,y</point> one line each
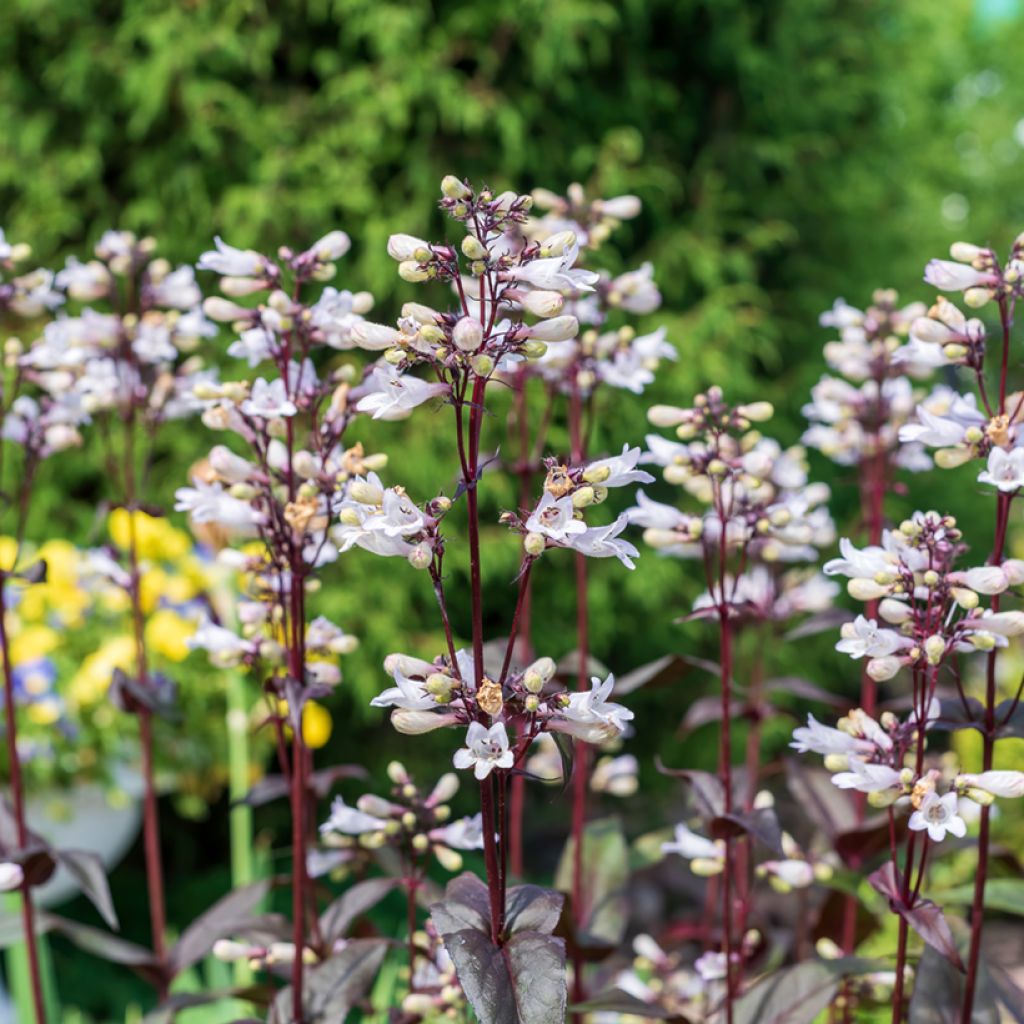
<point>11,876</point>
<point>583,497</point>
<point>757,412</point>
<point>837,762</point>
<point>935,648</point>
<point>374,337</point>
<point>445,788</point>
<point>407,247</point>
<point>978,297</point>
<point>542,303</point>
<point>1004,623</point>
<point>558,243</point>
<point>883,798</point>
<point>950,458</point>
<point>229,951</point>
<point>238,287</point>
<point>861,589</point>
<point>413,272</point>
<point>473,248</point>
<point>666,416</point>
<point>706,867</point>
<point>557,328</point>
<point>365,492</point>
<point>421,556</point>
<point>482,364</point>
<point>468,334</point>
<point>453,188</point>
<point>450,860</point>
<point>621,207</point>
<point>534,544</point>
<point>967,599</point>
<point>538,674</point>
<point>397,773</point>
<point>224,311</point>
<point>881,669</point>
<point>894,612</point>
<point>415,723</point>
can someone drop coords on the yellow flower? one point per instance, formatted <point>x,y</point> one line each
<point>316,725</point>
<point>90,682</point>
<point>167,633</point>
<point>33,642</point>
<point>8,553</point>
<point>155,537</point>
<point>43,712</point>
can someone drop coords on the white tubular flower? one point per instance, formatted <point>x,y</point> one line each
<point>895,612</point>
<point>949,276</point>
<point>854,563</point>
<point>938,814</point>
<point>1005,469</point>
<point>998,783</point>
<point>223,646</point>
<point>541,303</point>
<point>395,395</point>
<point>485,750</point>
<point>618,470</point>
<point>557,328</point>
<point>788,874</point>
<point>350,821</point>
<point>603,542</point>
<point>823,739</point>
<point>228,260</point>
<point>208,503</point>
<point>620,207</point>
<point>374,337</point>
<point>268,400</point>
<point>554,518</point>
<point>416,723</point>
<point>465,834</point>
<point>11,876</point>
<point>863,638</point>
<point>331,247</point>
<point>592,707</point>
<point>616,775</point>
<point>868,778</point>
<point>407,694</point>
<point>881,669</point>
<point>692,846</point>
<point>1000,623</point>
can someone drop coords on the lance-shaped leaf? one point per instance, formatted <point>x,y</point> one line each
<point>616,1001</point>
<point>708,791</point>
<point>1002,894</point>
<point>521,980</point>
<point>274,787</point>
<point>109,947</point>
<point>939,993</point>
<point>336,920</point>
<point>228,916</point>
<point>331,990</point>
<point>604,877</point>
<point>925,917</point>
<point>761,824</point>
<point>86,869</point>
<point>793,995</point>
<point>829,808</point>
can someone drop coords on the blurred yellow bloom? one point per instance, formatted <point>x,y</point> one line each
<point>167,633</point>
<point>155,537</point>
<point>8,552</point>
<point>316,725</point>
<point>90,682</point>
<point>43,712</point>
<point>32,643</point>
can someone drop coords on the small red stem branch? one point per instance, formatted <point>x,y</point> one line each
<point>18,800</point>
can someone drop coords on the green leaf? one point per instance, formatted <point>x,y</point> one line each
<point>1002,894</point>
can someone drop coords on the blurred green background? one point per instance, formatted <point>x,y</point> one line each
<point>786,151</point>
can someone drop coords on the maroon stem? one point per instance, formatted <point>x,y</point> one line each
<point>411,885</point>
<point>581,771</point>
<point>901,963</point>
<point>725,773</point>
<point>987,756</point>
<point>150,810</point>
<point>18,800</point>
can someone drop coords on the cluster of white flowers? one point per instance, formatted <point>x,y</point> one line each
<point>931,608</point>
<point>748,495</point>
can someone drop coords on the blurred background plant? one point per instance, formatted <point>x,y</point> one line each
<point>786,152</point>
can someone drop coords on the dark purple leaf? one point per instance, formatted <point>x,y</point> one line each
<point>228,916</point>
<point>655,671</point>
<point>157,694</point>
<point>829,808</point>
<point>109,947</point>
<point>618,1002</point>
<point>86,869</point>
<point>761,824</point>
<point>925,917</point>
<point>520,981</point>
<point>939,993</point>
<point>708,791</point>
<point>804,688</point>
<point>858,845</point>
<point>793,995</point>
<point>166,1012</point>
<point>953,715</point>
<point>336,920</point>
<point>1010,719</point>
<point>569,665</point>
<point>703,711</point>
<point>35,573</point>
<point>331,990</point>
<point>819,623</point>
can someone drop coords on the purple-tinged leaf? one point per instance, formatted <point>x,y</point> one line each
<point>831,809</point>
<point>616,1001</point>
<point>761,824</point>
<point>799,687</point>
<point>925,917</point>
<point>35,573</point>
<point>833,618</point>
<point>703,711</point>
<point>953,715</point>
<point>708,791</point>
<point>858,845</point>
<point>1009,717</point>
<point>168,1010</point>
<point>362,897</point>
<point>332,989</point>
<point>228,916</point>
<point>793,995</point>
<point>87,870</point>
<point>659,670</point>
<point>109,947</point>
<point>939,993</point>
<point>569,666</point>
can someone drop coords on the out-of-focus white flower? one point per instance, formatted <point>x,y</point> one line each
<point>232,262</point>
<point>1005,469</point>
<point>350,821</point>
<point>394,395</point>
